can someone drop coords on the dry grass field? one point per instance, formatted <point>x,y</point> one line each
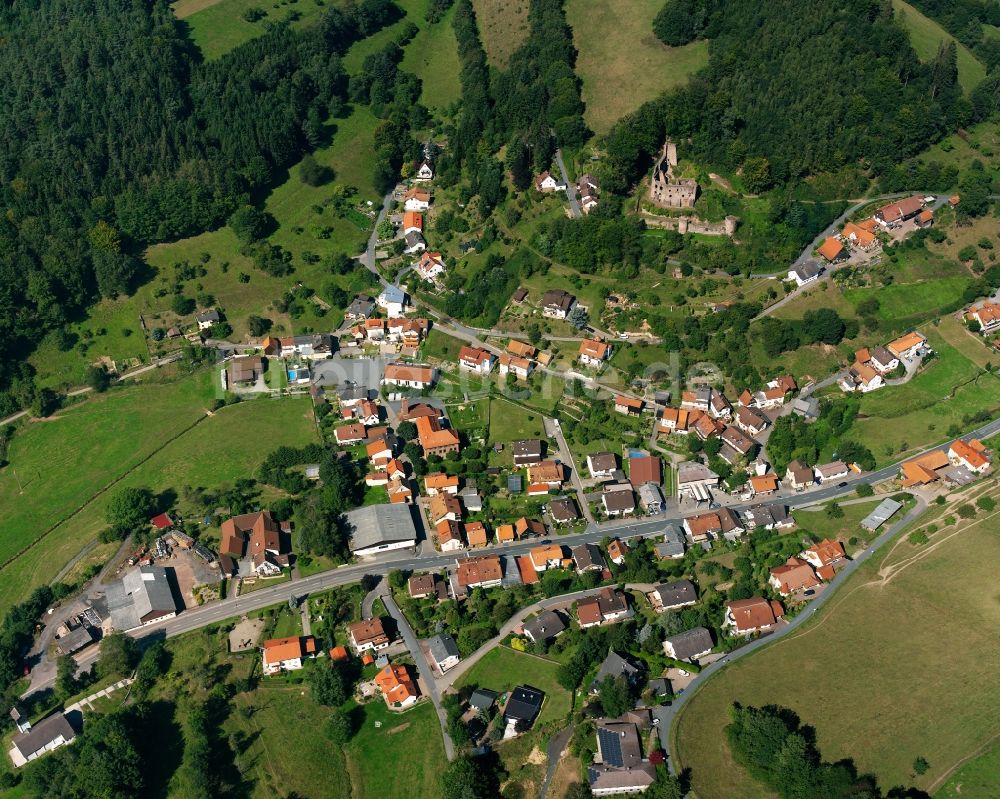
<point>899,665</point>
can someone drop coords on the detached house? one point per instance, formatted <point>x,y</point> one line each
<point>894,213</point>
<point>601,465</point>
<point>287,654</point>
<point>609,606</point>
<point>670,596</point>
<point>393,300</point>
<point>441,483</point>
<point>834,470</point>
<point>449,535</point>
<point>905,347</point>
<point>557,304</point>
<point>526,452</point>
<point>484,571</point>
<point>546,183</point>
<point>593,352</point>
<point>444,506</point>
<point>748,616</point>
<point>689,645</point>
<point>521,368</point>
<point>368,635</point>
<point>824,557</point>
<point>476,359</point>
<point>972,455</point>
<point>698,400</point>
<point>417,199</point>
<point>628,406</point>
<point>750,421</point>
<point>832,250</point>
<point>805,273</point>
<point>424,172</point>
<point>798,475</point>
<point>794,577</point>
<point>987,316</point>
<point>397,686</point>
<point>430,266</point>
<point>409,375</point>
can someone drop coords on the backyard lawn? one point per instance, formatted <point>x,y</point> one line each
<point>503,669</point>
<point>510,422</point>
<point>900,615</point>
<point>402,757</point>
<point>617,49</point>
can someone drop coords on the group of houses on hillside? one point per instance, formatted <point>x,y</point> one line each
<point>873,366</point>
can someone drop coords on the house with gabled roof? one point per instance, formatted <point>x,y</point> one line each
<point>476,359</point>
<point>287,654</point>
<point>755,615</point>
<point>396,686</point>
<point>594,352</point>
<point>795,576</point>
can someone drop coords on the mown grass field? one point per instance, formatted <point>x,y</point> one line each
<point>98,449</point>
<point>926,36</point>
<point>504,669</point>
<point>904,656</point>
<point>622,64</point>
<point>218,27</point>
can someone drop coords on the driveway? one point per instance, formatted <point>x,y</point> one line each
<point>574,206</point>
<point>554,429</point>
<point>423,667</point>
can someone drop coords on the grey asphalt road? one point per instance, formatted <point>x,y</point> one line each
<point>422,665</point>
<point>216,612</point>
<point>668,716</point>
<point>574,205</point>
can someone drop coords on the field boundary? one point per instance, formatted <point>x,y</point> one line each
<point>9,561</point>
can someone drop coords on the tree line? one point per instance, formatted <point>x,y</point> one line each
<point>817,88</point>
<point>114,134</point>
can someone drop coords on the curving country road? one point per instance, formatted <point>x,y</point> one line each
<point>668,716</point>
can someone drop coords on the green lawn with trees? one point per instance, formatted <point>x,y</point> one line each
<point>502,669</point>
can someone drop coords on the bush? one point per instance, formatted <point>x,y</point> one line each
<point>966,511</point>
<point>986,503</point>
<point>864,490</point>
<point>918,537</point>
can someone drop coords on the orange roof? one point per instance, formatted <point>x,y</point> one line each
<point>967,453</point>
<point>529,576</point>
<point>862,236</point>
<point>474,571</point>
<point>442,505</point>
<point>937,459</point>
<point>416,193</point>
<point>925,216</point>
<point>543,554</point>
<point>376,447</point>
<point>594,349</point>
<point>750,614</point>
<point>704,523</point>
<point>764,483</point>
<point>408,372</point>
<point>904,343</point>
<point>987,313</point>
<point>277,650</point>
<point>411,219</point>
<point>863,355</point>
<point>628,402</point>
<point>440,480</point>
<point>616,549</point>
<point>954,200</point>
<point>531,526</point>
<point>868,225</point>
<point>519,348</point>
<point>865,372</point>
<point>505,532</point>
<point>448,531</point>
<point>476,534</point>
<point>395,683</point>
<point>677,416</point>
<point>474,355</point>
<point>433,436</point>
<point>977,445</point>
<point>350,432</point>
<point>367,659</point>
<point>924,469</point>
<point>831,248</point>
<point>339,653</point>
<point>547,472</point>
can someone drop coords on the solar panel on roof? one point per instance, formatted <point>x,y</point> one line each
<point>611,747</point>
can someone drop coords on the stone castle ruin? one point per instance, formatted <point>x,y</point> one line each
<point>665,189</point>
